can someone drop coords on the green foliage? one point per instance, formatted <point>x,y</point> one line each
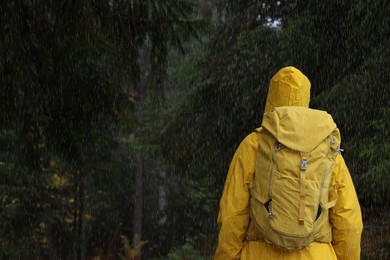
<point>365,126</point>
<point>314,39</point>
<point>17,249</point>
<point>187,251</point>
<point>369,161</point>
<point>70,72</point>
<point>26,201</point>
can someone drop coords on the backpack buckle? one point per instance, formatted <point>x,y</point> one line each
<point>279,146</point>
<point>303,164</point>
<point>339,149</point>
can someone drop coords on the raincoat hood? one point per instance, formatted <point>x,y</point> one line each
<point>287,116</point>
<point>288,87</point>
<point>299,128</point>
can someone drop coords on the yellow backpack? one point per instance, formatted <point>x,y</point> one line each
<point>291,192</point>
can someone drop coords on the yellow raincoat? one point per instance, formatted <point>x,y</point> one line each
<point>289,87</point>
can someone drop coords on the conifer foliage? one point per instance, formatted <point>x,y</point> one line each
<point>69,71</point>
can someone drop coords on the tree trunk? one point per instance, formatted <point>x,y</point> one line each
<point>138,202</point>
<point>79,213</point>
<point>162,198</point>
<point>138,196</point>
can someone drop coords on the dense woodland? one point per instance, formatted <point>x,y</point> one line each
<point>119,118</point>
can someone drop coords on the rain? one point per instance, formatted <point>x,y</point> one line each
<point>120,118</point>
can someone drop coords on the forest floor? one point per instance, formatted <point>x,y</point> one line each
<point>376,234</point>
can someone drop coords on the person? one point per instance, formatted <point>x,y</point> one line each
<point>288,87</point>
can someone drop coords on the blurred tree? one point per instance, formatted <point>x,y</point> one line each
<point>68,73</point>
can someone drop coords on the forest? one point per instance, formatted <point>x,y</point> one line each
<point>119,118</point>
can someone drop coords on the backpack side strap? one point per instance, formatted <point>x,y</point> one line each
<point>333,195</point>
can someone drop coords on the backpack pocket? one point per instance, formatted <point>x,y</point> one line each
<point>322,228</point>
<point>285,205</point>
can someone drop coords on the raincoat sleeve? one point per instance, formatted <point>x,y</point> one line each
<point>233,216</point>
<point>345,216</point>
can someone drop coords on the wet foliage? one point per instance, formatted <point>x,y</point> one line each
<point>70,73</point>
